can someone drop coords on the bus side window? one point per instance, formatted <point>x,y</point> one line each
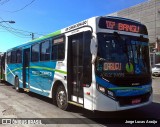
<point>61,51</point>
<point>58,46</point>
<point>54,52</point>
<point>13,57</point>
<point>8,57</point>
<point>87,58</point>
<point>19,56</point>
<point>35,53</point>
<point>45,51</point>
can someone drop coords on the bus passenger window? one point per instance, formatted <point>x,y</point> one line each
<point>45,51</point>
<point>35,53</point>
<point>61,51</point>
<point>13,57</point>
<point>54,52</point>
<point>9,57</point>
<point>58,49</point>
<point>19,56</point>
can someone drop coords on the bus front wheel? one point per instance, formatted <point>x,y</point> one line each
<point>61,98</point>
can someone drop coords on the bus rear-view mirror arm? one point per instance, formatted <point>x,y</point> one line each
<point>93,49</point>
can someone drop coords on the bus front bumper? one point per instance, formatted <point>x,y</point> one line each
<point>103,103</point>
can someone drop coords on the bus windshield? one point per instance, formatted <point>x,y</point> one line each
<point>122,55</point>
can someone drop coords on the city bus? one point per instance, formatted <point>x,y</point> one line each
<point>101,64</point>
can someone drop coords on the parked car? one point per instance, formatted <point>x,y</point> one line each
<point>156,70</point>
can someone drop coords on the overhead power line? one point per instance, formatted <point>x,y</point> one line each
<point>2,2</point>
<point>22,31</point>
<point>18,32</point>
<point>21,8</point>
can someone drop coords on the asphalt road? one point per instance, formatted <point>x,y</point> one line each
<point>30,105</point>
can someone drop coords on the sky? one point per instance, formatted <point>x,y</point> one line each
<point>45,16</point>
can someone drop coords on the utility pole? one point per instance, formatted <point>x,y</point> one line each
<point>32,34</point>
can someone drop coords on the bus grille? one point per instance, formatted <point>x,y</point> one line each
<point>124,101</point>
<point>124,82</point>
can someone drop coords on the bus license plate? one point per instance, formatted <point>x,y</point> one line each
<point>136,101</point>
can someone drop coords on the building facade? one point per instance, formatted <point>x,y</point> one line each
<point>147,13</point>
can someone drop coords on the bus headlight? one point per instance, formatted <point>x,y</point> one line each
<point>106,91</point>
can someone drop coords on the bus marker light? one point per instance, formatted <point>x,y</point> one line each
<point>85,85</point>
<point>102,89</point>
<point>110,93</point>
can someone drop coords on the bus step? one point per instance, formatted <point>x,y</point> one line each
<point>26,90</point>
<point>74,103</point>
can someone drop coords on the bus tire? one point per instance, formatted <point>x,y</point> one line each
<point>16,85</point>
<point>61,98</point>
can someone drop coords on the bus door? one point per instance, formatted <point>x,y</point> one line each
<point>3,66</point>
<point>26,61</point>
<point>77,73</point>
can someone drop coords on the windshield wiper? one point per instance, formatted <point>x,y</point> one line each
<point>126,52</point>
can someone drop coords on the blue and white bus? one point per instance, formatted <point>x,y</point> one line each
<point>101,63</point>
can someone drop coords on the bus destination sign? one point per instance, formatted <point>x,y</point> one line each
<point>122,25</point>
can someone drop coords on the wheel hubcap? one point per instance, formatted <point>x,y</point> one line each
<point>61,97</point>
<point>17,87</point>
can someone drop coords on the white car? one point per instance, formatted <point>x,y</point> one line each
<point>156,70</point>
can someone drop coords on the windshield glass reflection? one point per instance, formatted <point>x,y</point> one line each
<point>122,54</point>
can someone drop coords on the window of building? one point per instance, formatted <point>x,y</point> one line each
<point>35,53</point>
<point>45,51</point>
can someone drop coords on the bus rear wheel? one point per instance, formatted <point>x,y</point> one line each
<point>61,98</point>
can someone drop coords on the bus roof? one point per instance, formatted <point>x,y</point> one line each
<point>58,32</point>
<point>38,39</point>
<point>121,18</point>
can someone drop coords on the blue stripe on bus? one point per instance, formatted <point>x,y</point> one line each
<point>41,75</point>
<point>124,91</point>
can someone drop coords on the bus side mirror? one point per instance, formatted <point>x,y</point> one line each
<point>93,49</point>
